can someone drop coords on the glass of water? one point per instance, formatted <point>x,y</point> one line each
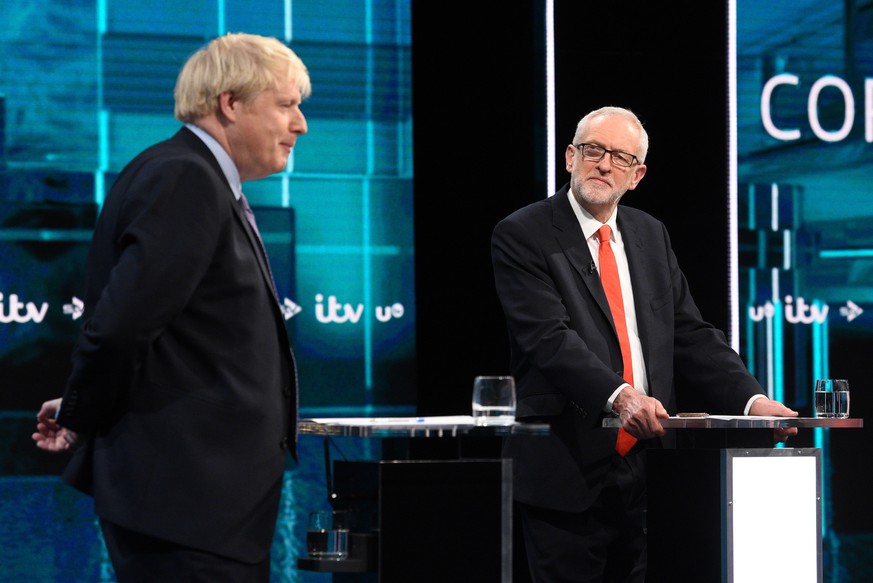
<point>327,536</point>
<point>832,398</point>
<point>494,400</point>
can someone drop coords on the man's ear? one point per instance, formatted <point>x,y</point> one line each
<point>639,172</point>
<point>227,104</point>
<point>569,156</point>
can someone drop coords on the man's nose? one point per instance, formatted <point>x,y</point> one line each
<point>605,163</point>
<point>298,124</point>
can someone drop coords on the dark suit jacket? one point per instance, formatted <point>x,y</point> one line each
<point>183,378</point>
<point>565,353</point>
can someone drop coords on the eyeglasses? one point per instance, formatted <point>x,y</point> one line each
<point>596,153</point>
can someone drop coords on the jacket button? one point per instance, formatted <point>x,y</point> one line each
<point>284,443</point>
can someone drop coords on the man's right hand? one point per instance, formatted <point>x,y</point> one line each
<point>49,435</point>
<point>640,414</point>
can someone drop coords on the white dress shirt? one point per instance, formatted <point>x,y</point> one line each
<point>590,226</point>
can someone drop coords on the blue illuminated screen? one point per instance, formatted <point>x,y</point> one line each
<point>804,195</point>
<point>87,86</point>
<point>84,87</point>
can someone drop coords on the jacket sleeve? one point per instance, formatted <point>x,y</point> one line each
<point>561,342</point>
<point>152,245</point>
<point>709,374</point>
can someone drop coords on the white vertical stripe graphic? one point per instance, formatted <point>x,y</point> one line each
<point>550,98</point>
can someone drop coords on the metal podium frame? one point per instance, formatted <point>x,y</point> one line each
<point>416,505</point>
<point>694,502</point>
<point>748,511</point>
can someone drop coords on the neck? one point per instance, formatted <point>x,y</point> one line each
<point>599,212</point>
<point>212,126</point>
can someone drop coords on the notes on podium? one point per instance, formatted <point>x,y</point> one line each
<point>397,421</point>
<point>437,426</point>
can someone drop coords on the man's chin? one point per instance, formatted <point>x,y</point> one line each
<point>600,200</point>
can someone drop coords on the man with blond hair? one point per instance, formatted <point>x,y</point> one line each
<point>182,401</point>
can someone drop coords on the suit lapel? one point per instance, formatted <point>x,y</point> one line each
<point>195,143</point>
<point>257,248</point>
<point>572,241</point>
<point>636,263</point>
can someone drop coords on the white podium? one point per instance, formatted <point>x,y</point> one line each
<point>771,512</point>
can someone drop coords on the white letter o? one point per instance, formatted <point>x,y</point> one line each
<point>812,108</point>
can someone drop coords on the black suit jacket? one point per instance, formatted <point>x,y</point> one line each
<point>565,353</point>
<point>183,378</point>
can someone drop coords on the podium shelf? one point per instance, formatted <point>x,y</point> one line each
<point>748,422</point>
<point>447,426</point>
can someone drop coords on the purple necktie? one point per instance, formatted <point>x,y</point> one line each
<point>250,216</point>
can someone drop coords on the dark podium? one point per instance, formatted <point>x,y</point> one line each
<point>422,520</point>
<point>727,507</point>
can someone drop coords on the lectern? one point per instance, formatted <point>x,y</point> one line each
<point>422,520</point>
<point>733,514</point>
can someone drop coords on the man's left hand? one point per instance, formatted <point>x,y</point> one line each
<point>768,408</point>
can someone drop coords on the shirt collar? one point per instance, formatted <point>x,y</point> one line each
<point>589,224</point>
<point>227,166</point>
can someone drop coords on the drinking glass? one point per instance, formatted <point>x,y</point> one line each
<point>832,398</point>
<point>327,536</point>
<point>494,400</point>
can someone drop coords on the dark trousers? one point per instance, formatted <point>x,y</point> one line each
<point>604,544</point>
<point>138,558</point>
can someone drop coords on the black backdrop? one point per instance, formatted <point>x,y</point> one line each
<point>479,95</point>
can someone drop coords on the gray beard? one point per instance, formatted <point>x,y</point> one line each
<point>585,198</point>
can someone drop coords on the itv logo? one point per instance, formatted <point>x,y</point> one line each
<point>12,310</point>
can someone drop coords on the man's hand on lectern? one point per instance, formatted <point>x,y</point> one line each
<point>769,408</point>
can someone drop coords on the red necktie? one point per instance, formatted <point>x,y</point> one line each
<point>612,287</point>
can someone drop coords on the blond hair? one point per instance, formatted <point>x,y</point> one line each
<point>243,64</point>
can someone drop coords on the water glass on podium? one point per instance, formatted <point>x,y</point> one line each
<point>832,398</point>
<point>327,536</point>
<point>494,400</point>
